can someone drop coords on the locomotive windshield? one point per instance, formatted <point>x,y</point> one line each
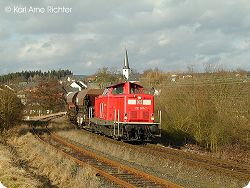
<point>118,89</point>
<point>105,92</point>
<point>124,88</point>
<point>134,89</point>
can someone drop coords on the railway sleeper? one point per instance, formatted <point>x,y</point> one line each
<point>136,180</point>
<point>94,163</point>
<point>84,158</point>
<point>143,184</point>
<point>110,171</point>
<point>124,175</point>
<point>110,168</point>
<point>107,168</point>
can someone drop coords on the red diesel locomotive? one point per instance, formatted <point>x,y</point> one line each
<point>123,111</point>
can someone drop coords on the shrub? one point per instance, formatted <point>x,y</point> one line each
<point>213,114</point>
<point>10,109</point>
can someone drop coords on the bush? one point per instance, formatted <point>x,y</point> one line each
<point>215,115</point>
<point>10,109</point>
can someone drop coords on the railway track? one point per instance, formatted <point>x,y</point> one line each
<point>229,168</point>
<point>127,177</point>
<point>122,175</point>
<point>46,117</point>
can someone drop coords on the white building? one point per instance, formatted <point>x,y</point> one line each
<point>79,85</point>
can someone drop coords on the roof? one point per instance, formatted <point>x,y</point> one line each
<point>123,83</point>
<point>81,84</point>
<point>126,64</point>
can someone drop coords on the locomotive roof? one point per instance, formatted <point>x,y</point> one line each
<point>123,83</point>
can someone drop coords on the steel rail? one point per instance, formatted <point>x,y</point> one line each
<point>138,173</point>
<point>84,164</point>
<point>236,170</point>
<point>129,178</point>
<point>100,172</point>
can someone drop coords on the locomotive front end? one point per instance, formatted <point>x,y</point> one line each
<point>125,112</point>
<point>139,119</point>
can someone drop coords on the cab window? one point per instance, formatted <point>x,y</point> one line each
<point>118,90</point>
<point>105,92</point>
<point>134,89</point>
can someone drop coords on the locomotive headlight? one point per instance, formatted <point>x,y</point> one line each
<point>152,117</point>
<point>125,116</point>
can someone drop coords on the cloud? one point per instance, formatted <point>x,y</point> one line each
<point>170,34</point>
<point>163,40</point>
<point>40,50</point>
<point>89,64</point>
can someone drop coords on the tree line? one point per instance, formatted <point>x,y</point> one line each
<point>28,76</point>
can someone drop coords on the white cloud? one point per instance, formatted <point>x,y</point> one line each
<point>40,50</point>
<point>89,63</point>
<point>242,45</point>
<point>163,40</point>
<point>154,62</point>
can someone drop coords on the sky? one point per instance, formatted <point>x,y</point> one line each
<point>85,35</point>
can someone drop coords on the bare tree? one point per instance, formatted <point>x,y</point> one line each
<point>48,95</point>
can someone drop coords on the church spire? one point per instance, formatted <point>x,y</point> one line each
<point>126,65</point>
<point>126,70</point>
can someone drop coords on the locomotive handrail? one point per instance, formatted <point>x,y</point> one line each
<point>160,122</point>
<point>118,123</point>
<point>114,121</point>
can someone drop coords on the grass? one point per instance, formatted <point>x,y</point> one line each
<point>60,170</point>
<point>11,175</point>
<point>29,163</point>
